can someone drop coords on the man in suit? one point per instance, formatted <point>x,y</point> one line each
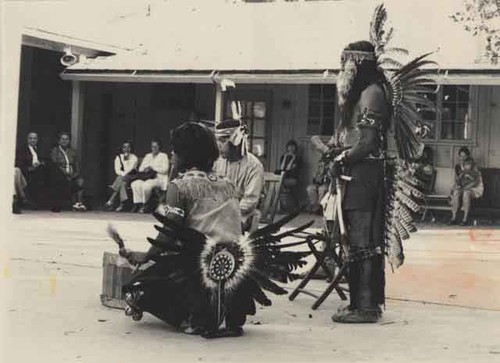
<point>66,181</point>
<point>30,162</point>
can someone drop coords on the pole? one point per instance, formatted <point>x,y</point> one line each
<point>219,103</point>
<point>77,118</point>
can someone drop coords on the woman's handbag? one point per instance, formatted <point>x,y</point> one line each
<point>141,175</point>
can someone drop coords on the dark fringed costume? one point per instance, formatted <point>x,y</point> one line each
<point>206,272</point>
<point>382,196</point>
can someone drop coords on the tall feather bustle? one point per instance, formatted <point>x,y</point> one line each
<point>257,261</point>
<point>406,86</point>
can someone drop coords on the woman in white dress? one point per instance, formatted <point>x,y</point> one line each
<point>154,168</point>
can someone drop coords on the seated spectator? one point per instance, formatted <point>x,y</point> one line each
<point>316,193</point>
<point>173,173</point>
<point>426,167</point>
<point>242,168</point>
<point>66,183</point>
<point>463,154</point>
<point>19,195</point>
<point>290,164</point>
<point>319,186</point>
<point>125,163</point>
<point>34,170</point>
<point>153,173</point>
<point>468,185</point>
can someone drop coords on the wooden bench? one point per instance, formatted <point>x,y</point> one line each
<point>488,205</point>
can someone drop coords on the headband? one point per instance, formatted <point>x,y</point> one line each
<point>358,55</point>
<point>226,132</point>
<point>238,135</point>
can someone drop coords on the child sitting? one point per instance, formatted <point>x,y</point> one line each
<point>468,186</point>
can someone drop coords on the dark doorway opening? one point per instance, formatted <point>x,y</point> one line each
<point>44,98</point>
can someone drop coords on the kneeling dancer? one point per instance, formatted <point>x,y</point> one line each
<point>205,271</point>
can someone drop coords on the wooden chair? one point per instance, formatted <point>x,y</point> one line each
<point>271,194</point>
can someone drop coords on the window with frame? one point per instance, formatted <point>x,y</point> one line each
<point>321,114</point>
<point>452,119</point>
<point>254,115</point>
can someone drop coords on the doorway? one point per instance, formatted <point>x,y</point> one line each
<point>44,104</point>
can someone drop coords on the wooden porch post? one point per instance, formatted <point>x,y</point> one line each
<point>10,66</point>
<point>77,117</point>
<point>219,103</point>
<point>23,117</point>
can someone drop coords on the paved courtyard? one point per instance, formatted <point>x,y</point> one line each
<point>444,303</point>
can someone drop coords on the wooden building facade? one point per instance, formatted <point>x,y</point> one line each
<point>114,112</point>
<point>285,74</point>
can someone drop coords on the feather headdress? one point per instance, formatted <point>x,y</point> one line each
<point>406,89</point>
<point>406,85</point>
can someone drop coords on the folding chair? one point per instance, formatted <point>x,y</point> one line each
<point>320,257</point>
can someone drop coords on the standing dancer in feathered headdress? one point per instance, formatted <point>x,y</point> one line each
<point>378,201</point>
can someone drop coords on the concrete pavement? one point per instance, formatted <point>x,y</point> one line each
<point>50,278</point>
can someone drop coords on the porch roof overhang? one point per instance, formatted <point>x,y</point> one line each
<point>247,43</point>
<point>59,43</point>
<point>87,27</point>
<point>205,77</point>
<point>487,77</point>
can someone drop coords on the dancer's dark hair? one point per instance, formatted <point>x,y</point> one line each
<point>195,147</point>
<point>367,74</point>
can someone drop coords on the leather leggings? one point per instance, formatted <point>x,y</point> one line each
<point>366,274</point>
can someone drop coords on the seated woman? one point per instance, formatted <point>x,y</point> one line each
<point>66,182</point>
<point>426,167</point>
<point>468,185</point>
<point>290,164</point>
<point>125,162</point>
<point>154,170</point>
<point>201,200</point>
